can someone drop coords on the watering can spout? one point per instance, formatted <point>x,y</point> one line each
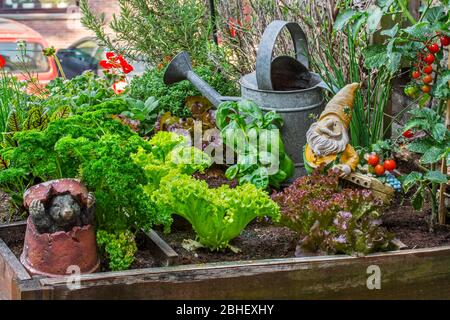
<point>180,68</point>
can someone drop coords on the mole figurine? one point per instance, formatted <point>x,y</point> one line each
<point>63,213</point>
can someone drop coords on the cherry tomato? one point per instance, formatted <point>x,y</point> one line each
<point>416,74</point>
<point>445,41</point>
<point>425,89</point>
<point>433,48</point>
<point>429,59</point>
<point>389,165</point>
<point>408,134</point>
<point>379,170</point>
<point>373,159</point>
<point>428,69</point>
<point>427,79</point>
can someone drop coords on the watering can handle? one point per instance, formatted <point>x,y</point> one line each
<point>267,45</point>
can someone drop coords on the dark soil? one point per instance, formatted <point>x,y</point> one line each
<point>215,177</point>
<point>260,240</point>
<point>413,228</point>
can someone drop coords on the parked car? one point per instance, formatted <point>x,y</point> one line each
<point>86,54</point>
<point>32,60</point>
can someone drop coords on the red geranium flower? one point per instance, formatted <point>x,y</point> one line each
<point>106,64</point>
<point>110,55</point>
<point>2,62</point>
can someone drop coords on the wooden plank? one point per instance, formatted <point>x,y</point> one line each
<point>12,230</point>
<point>162,252</point>
<point>11,271</point>
<point>421,273</point>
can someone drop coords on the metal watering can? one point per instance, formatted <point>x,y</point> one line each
<point>283,84</point>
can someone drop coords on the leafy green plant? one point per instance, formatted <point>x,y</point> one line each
<point>172,99</point>
<point>216,215</point>
<point>421,43</point>
<point>119,248</point>
<point>153,31</point>
<point>332,220</point>
<point>432,141</point>
<point>256,139</point>
<point>84,90</point>
<point>144,112</point>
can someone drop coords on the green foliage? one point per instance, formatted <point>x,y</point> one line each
<point>217,215</point>
<point>172,99</point>
<point>256,139</point>
<point>435,142</point>
<point>154,30</point>
<point>332,220</point>
<point>119,248</point>
<point>93,146</point>
<point>87,89</point>
<point>144,112</point>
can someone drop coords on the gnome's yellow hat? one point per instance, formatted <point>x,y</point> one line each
<point>341,104</point>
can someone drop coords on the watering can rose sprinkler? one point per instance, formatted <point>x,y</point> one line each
<point>283,85</point>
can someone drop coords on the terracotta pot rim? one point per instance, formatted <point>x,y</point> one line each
<point>34,271</point>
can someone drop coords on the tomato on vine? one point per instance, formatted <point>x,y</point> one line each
<point>390,165</point>
<point>445,41</point>
<point>429,59</point>
<point>427,79</point>
<point>428,69</point>
<point>416,74</point>
<point>408,134</point>
<point>426,89</point>
<point>379,170</point>
<point>433,48</point>
<point>373,159</point>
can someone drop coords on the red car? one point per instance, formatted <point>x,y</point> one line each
<point>34,61</point>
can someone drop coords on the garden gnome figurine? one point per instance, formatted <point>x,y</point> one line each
<point>328,139</point>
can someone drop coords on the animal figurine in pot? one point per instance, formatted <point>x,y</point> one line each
<point>60,231</point>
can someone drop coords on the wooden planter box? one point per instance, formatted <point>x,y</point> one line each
<point>413,274</point>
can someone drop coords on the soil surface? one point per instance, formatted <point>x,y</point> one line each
<point>260,240</point>
<point>215,177</point>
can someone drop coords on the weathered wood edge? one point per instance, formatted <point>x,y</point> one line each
<point>162,251</point>
<point>243,264</point>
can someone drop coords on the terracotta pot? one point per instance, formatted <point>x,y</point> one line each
<point>44,191</point>
<point>51,254</point>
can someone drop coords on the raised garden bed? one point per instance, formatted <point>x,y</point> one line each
<point>161,273</point>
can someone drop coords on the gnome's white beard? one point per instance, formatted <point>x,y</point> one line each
<point>324,146</point>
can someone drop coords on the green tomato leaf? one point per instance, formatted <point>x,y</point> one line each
<point>411,179</point>
<point>375,15</point>
<point>438,132</point>
<point>420,30</point>
<point>420,146</point>
<point>434,14</point>
<point>432,155</point>
<point>442,89</point>
<point>436,177</point>
<point>390,32</point>
<point>375,57</point>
